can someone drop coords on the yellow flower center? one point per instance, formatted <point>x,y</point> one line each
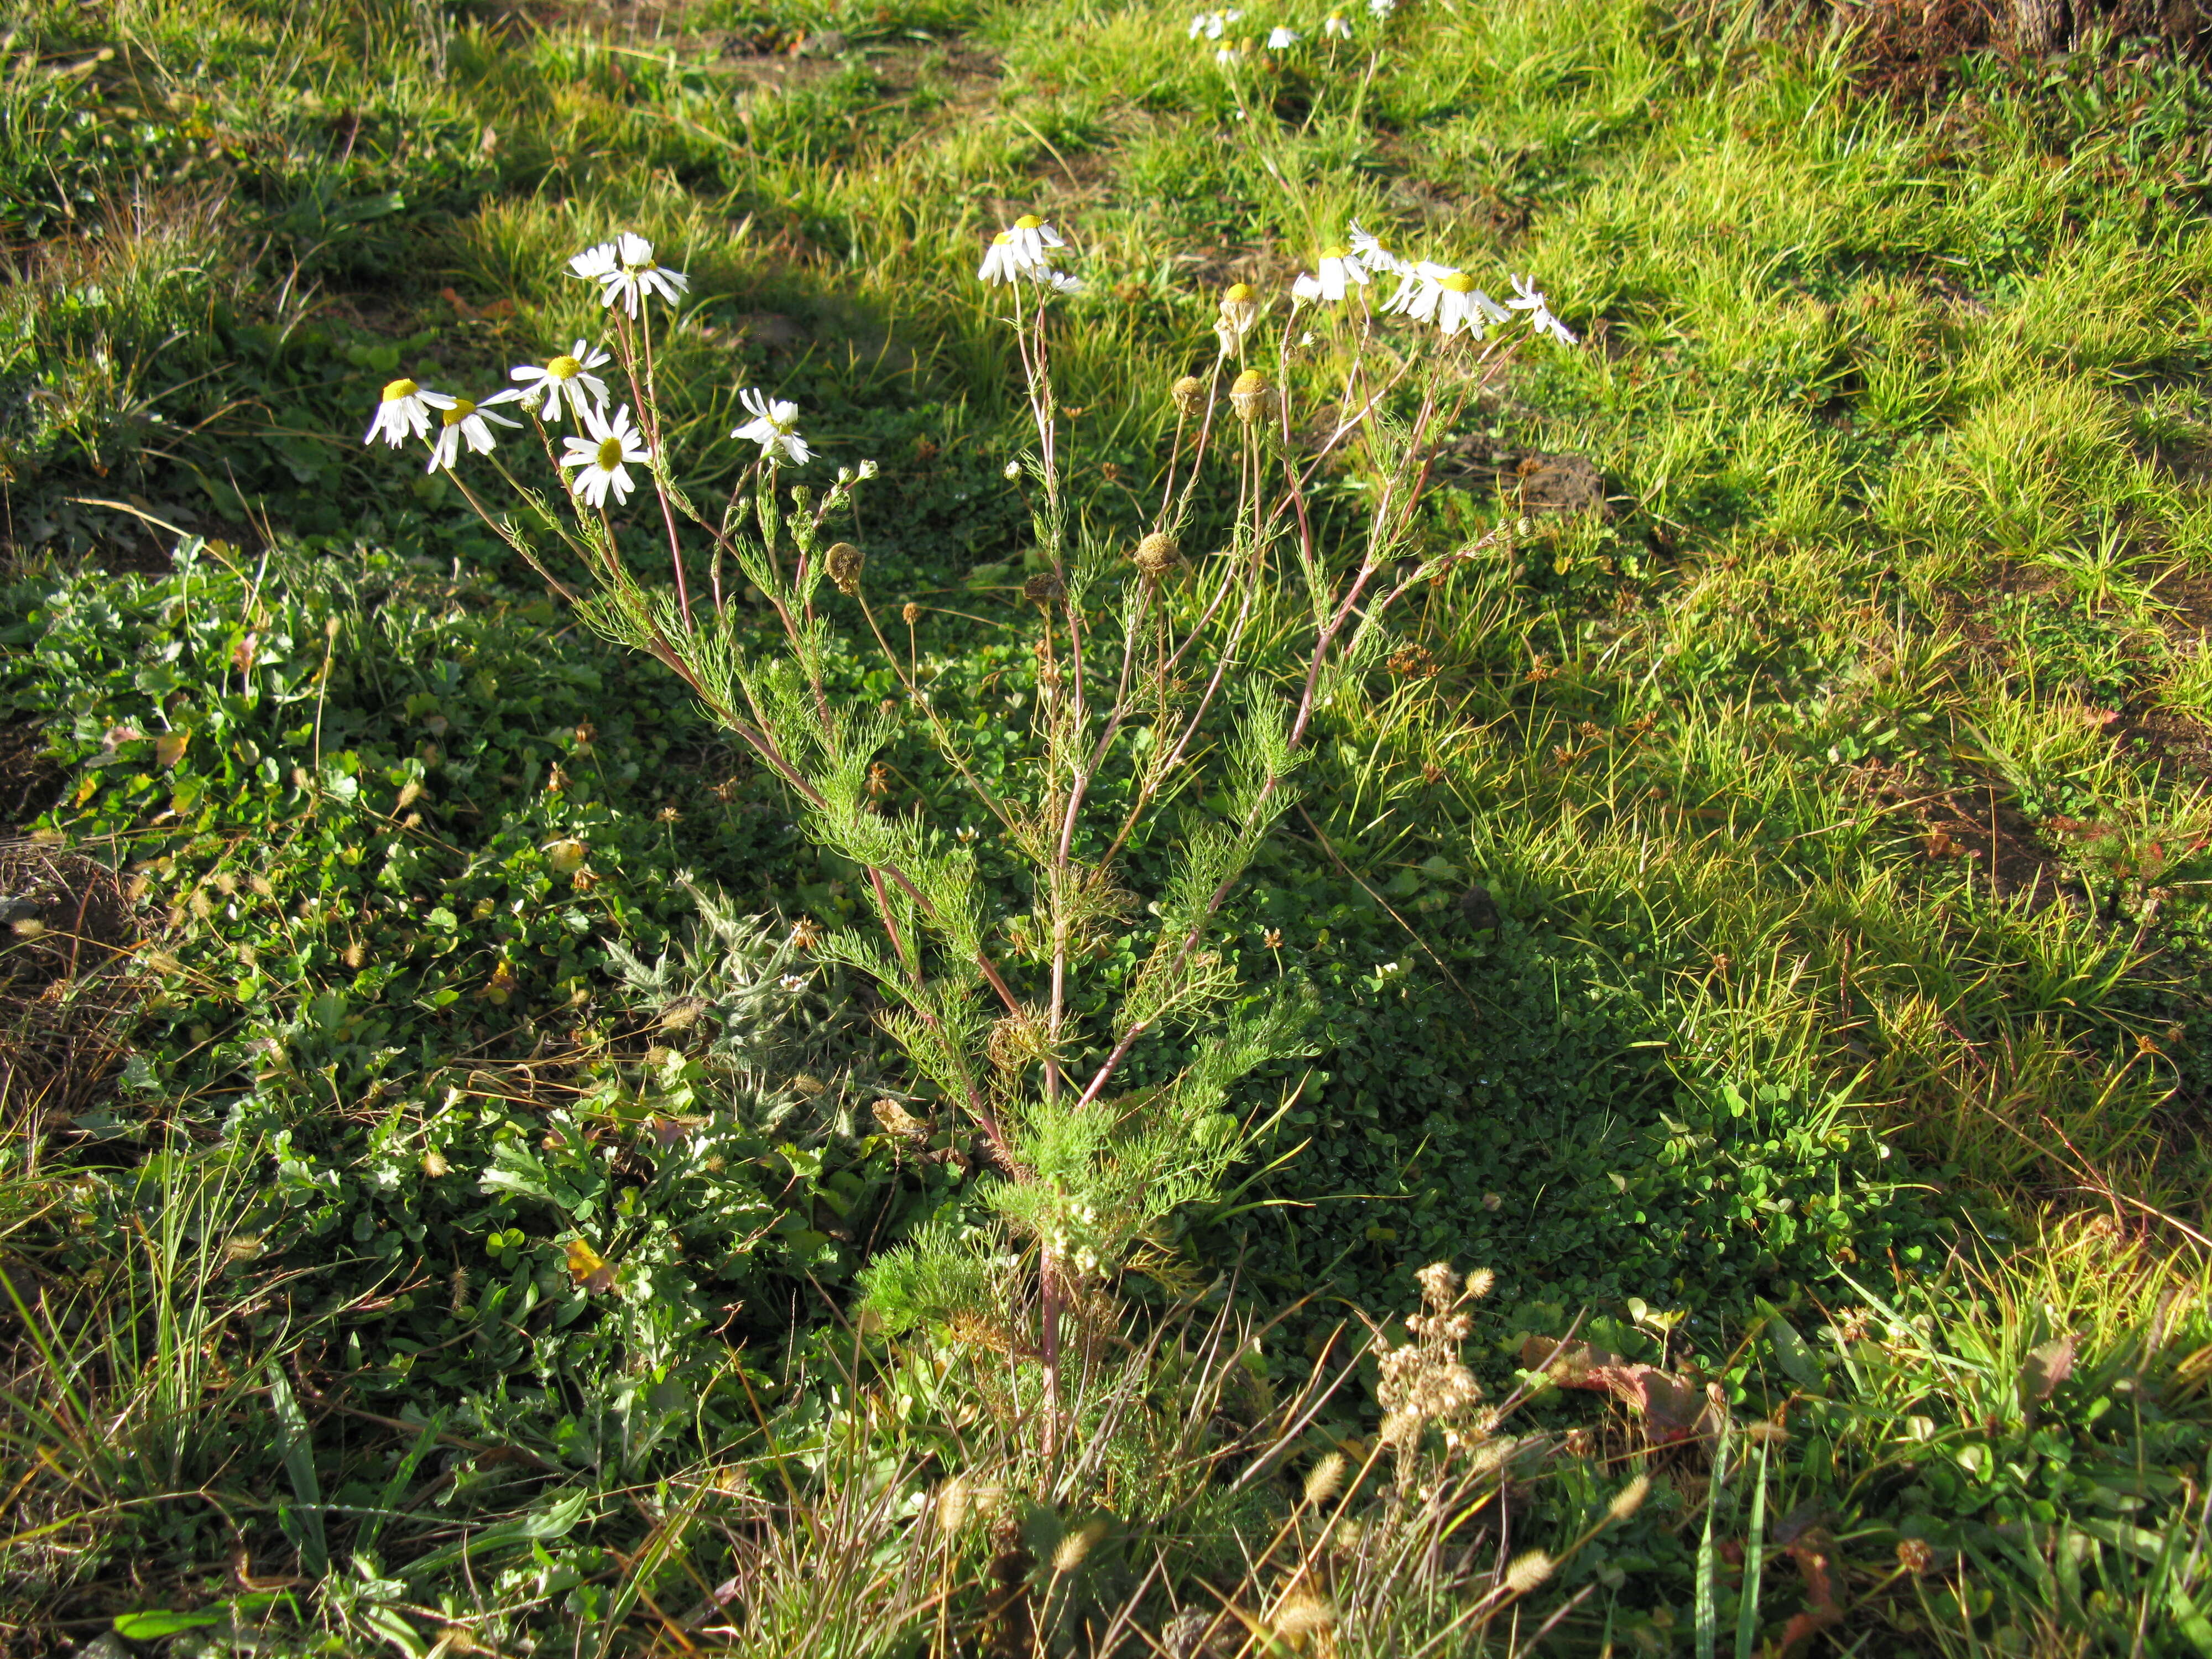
<point>399,389</point>
<point>460,411</point>
<point>1237,293</point>
<point>611,454</point>
<point>1003,237</point>
<point>1336,253</point>
<point>1029,221</point>
<point>563,367</point>
<point>1459,282</point>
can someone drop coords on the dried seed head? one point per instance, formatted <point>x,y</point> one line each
<point>1327,1476</point>
<point>1043,588</point>
<point>1527,1570</point>
<point>1189,395</point>
<point>1479,1281</point>
<point>1439,1285</point>
<point>1076,1546</point>
<point>844,562</point>
<point>1158,554</point>
<point>1303,1616</point>
<point>1914,1555</point>
<point>910,613</point>
<point>952,1502</point>
<point>1630,1498</point>
<point>1249,395</point>
<point>434,1164</point>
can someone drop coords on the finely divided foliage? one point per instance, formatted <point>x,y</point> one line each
<point>1140,677</point>
<point>644,1044</point>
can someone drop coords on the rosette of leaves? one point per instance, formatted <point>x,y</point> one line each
<point>787,1049</point>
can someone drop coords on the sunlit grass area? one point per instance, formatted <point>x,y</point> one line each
<point>1748,909</point>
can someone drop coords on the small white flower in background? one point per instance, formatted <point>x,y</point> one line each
<point>1462,305</point>
<point>1381,8</point>
<point>1340,266</point>
<point>625,270</point>
<point>1527,298</point>
<point>1372,254</point>
<point>568,375</point>
<point>1013,470</point>
<point>793,983</point>
<point>1213,24</point>
<point>1336,25</point>
<point>771,427</point>
<point>405,413</point>
<point>1281,39</point>
<point>470,423</point>
<point>1228,56</point>
<point>1058,281</point>
<point>603,454</point>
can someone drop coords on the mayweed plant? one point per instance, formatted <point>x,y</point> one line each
<point>1151,687</point>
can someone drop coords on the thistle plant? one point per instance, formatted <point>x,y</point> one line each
<point>1162,679</point>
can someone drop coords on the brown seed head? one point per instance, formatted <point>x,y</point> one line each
<point>1158,554</point>
<point>910,613</point>
<point>1189,395</point>
<point>844,562</point>
<point>1043,588</point>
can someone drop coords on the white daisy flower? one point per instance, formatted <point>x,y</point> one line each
<point>405,413</point>
<point>568,375</point>
<point>1381,8</point>
<point>596,264</point>
<point>1336,25</point>
<point>1034,240</point>
<point>625,270</point>
<point>602,456</point>
<point>1023,249</point>
<point>1372,254</point>
<point>1001,264</point>
<point>771,427</point>
<point>1420,288</point>
<point>1281,39</point>
<point>1527,298</point>
<point>1339,266</point>
<point>1228,56</point>
<point>1462,305</point>
<point>1058,281</point>
<point>470,423</point>
<point>1213,24</point>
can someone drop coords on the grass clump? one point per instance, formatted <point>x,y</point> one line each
<point>1744,894</point>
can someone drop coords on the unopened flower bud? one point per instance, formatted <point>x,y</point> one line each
<point>1158,554</point>
<point>1250,395</point>
<point>1013,469</point>
<point>843,562</point>
<point>1189,395</point>
<point>868,470</point>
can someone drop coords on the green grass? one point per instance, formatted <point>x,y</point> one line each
<point>1835,1031</point>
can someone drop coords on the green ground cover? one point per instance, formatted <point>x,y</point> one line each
<point>1756,911</point>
